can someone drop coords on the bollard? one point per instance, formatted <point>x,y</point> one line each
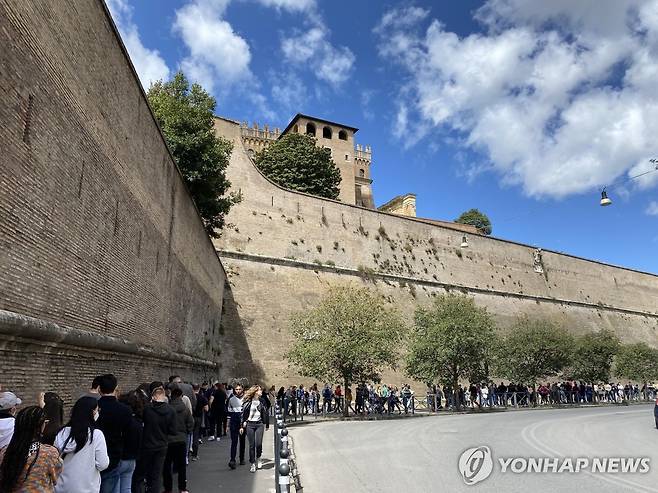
<point>284,473</point>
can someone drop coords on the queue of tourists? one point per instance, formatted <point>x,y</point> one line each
<point>136,441</point>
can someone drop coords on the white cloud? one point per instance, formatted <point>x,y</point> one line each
<point>652,209</point>
<point>149,64</point>
<point>332,64</point>
<point>290,5</point>
<point>560,96</point>
<point>218,57</point>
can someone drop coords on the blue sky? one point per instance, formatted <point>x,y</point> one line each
<point>522,109</point>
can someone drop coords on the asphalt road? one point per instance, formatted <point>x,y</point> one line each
<point>422,454</point>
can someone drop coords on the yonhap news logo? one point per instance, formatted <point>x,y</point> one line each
<point>477,463</point>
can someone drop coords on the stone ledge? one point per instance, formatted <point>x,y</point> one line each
<point>16,325</point>
<point>425,282</point>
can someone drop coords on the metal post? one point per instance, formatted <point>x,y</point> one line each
<point>284,471</point>
<point>278,421</point>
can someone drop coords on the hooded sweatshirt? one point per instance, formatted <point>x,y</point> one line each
<point>82,470</point>
<point>6,428</point>
<point>159,425</point>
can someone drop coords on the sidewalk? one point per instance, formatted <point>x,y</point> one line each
<point>211,472</point>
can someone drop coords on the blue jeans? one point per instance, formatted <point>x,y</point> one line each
<point>125,469</point>
<point>109,480</point>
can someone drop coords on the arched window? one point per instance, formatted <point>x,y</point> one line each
<point>295,128</point>
<point>342,135</point>
<point>251,152</point>
<point>362,173</point>
<point>326,132</point>
<point>310,129</point>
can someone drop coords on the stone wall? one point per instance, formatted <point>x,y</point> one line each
<point>285,247</point>
<point>104,262</point>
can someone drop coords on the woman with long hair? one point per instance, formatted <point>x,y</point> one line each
<point>254,416</point>
<point>26,464</point>
<point>83,449</point>
<point>133,441</point>
<point>53,407</point>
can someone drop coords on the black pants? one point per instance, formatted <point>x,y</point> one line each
<point>148,471</point>
<point>236,437</point>
<point>196,434</point>
<point>175,456</point>
<point>255,435</point>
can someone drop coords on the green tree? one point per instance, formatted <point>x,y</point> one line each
<point>350,336</point>
<point>533,350</point>
<point>185,115</point>
<point>476,218</point>
<point>294,161</point>
<point>637,362</point>
<point>450,340</point>
<point>593,354</point>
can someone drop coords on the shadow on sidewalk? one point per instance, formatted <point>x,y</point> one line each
<point>211,472</point>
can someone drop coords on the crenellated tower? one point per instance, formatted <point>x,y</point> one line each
<point>353,160</point>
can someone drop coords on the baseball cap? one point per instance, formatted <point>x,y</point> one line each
<point>8,400</point>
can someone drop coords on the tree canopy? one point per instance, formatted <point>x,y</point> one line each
<point>533,350</point>
<point>476,218</point>
<point>637,362</point>
<point>295,161</point>
<point>350,336</point>
<point>185,115</point>
<point>593,354</point>
<point>450,340</point>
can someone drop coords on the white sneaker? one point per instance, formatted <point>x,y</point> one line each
<point>211,438</point>
<point>260,464</point>
<point>252,468</point>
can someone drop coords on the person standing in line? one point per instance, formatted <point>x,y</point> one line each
<point>132,441</point>
<point>159,424</point>
<point>82,448</point>
<point>254,416</point>
<point>199,411</point>
<point>53,409</point>
<point>177,448</point>
<point>234,407</point>
<point>115,422</point>
<point>8,407</point>
<point>217,405</point>
<point>25,463</point>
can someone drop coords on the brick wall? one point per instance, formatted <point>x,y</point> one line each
<point>97,230</point>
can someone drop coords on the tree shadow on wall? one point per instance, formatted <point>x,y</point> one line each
<point>237,360</point>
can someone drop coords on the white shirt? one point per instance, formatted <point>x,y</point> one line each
<point>82,470</point>
<point>234,404</point>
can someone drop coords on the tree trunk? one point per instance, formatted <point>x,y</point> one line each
<point>455,393</point>
<point>346,409</point>
<point>534,394</point>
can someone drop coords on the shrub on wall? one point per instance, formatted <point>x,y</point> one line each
<point>295,161</point>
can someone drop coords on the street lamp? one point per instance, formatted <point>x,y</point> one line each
<point>605,200</point>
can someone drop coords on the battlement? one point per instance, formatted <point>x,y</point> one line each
<point>255,131</point>
<point>361,152</point>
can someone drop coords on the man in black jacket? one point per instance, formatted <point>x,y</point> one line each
<point>114,421</point>
<point>159,425</point>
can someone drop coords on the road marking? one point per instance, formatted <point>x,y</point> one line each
<point>529,436</point>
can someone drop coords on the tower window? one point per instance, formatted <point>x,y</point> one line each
<point>362,173</point>
<point>295,128</point>
<point>326,132</point>
<point>342,135</point>
<point>310,129</point>
<point>347,157</point>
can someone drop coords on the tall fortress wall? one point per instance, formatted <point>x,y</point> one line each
<point>104,261</point>
<point>283,249</point>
